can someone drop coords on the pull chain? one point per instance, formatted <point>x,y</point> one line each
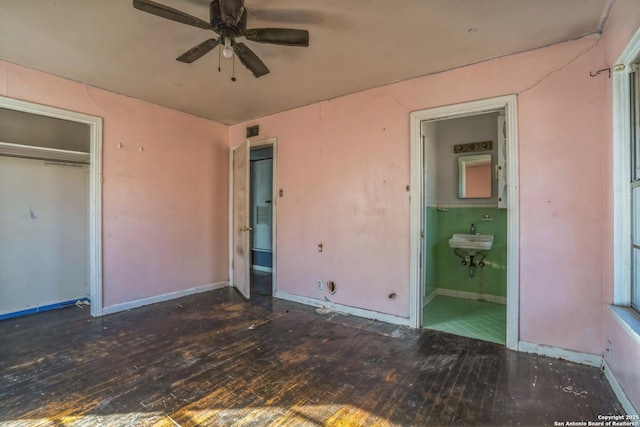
<point>233,73</point>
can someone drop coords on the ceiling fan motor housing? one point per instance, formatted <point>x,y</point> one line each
<point>218,24</point>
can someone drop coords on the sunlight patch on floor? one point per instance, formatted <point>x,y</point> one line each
<point>299,415</point>
<point>130,419</point>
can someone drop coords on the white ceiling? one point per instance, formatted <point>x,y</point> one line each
<point>354,45</point>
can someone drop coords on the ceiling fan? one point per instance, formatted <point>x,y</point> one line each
<point>228,18</point>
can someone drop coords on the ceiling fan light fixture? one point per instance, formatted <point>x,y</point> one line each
<point>227,18</point>
<point>227,51</point>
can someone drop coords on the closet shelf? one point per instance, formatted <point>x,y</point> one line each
<point>43,153</point>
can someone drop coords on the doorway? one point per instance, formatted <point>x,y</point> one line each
<point>465,290</point>
<point>252,245</point>
<point>44,164</point>
<point>425,235</point>
<point>260,218</point>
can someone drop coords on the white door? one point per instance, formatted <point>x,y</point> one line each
<point>241,252</point>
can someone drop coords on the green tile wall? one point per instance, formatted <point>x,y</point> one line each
<point>431,252</point>
<point>444,270</point>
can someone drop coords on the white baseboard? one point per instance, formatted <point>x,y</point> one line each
<point>367,314</point>
<point>261,268</point>
<point>560,353</point>
<point>430,297</point>
<point>471,295</point>
<point>618,390</point>
<point>161,298</point>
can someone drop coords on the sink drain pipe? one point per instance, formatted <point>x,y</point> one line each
<point>473,262</point>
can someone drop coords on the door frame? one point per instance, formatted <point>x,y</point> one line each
<point>418,169</point>
<point>255,144</point>
<point>95,185</point>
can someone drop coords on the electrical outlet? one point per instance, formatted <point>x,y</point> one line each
<point>319,285</point>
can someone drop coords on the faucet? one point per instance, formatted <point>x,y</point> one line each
<point>473,230</point>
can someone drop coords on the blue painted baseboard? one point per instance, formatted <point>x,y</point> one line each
<point>43,308</point>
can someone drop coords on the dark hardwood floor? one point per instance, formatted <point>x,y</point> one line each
<point>216,359</point>
<point>261,284</point>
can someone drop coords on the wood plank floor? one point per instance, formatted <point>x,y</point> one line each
<point>215,359</point>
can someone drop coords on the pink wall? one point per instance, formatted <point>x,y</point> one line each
<point>344,165</point>
<point>624,358</point>
<point>164,209</point>
<point>622,24</point>
<point>346,189</point>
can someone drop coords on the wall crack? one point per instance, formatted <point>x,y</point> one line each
<point>550,73</point>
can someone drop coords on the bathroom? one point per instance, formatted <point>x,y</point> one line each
<point>465,290</point>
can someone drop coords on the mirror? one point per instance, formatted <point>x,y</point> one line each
<point>474,177</point>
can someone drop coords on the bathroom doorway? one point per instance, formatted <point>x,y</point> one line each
<point>463,162</point>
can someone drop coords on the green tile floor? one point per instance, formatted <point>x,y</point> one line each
<point>474,319</point>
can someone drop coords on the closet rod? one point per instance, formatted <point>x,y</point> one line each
<point>70,162</point>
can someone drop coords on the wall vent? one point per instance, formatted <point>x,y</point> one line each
<point>253,131</point>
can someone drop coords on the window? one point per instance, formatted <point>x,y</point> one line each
<point>626,189</point>
<point>634,132</point>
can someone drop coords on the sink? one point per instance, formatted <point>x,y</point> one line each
<point>471,242</point>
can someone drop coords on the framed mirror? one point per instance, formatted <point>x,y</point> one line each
<point>474,176</point>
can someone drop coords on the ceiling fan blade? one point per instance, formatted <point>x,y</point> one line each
<point>231,11</point>
<point>170,13</point>
<point>282,36</point>
<point>198,51</point>
<point>250,60</point>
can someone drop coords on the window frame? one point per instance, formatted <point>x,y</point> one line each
<point>622,186</point>
<point>634,183</point>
